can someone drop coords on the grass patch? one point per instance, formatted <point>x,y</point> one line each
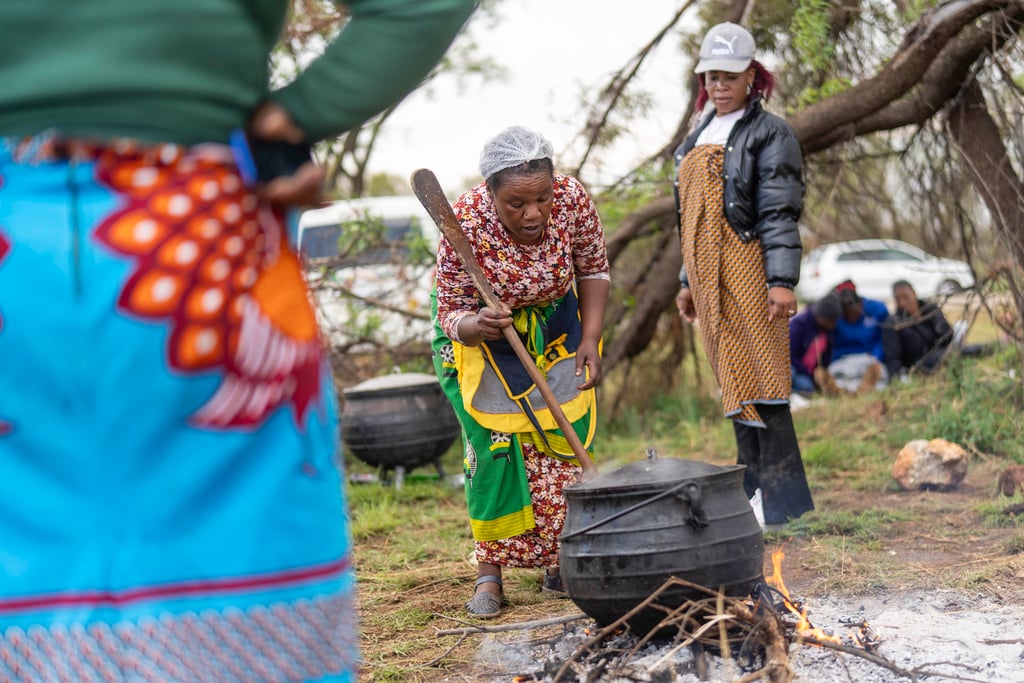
<point>862,526</point>
<point>385,673</point>
<point>379,510</point>
<point>992,513</point>
<point>413,545</point>
<point>846,565</point>
<point>1014,545</point>
<point>405,618</point>
<point>979,407</point>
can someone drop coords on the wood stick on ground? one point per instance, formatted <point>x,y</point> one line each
<point>723,630</point>
<point>1011,641</point>
<point>924,672</point>
<point>520,626</point>
<point>438,659</point>
<point>700,662</point>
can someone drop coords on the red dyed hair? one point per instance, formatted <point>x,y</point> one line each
<point>764,85</point>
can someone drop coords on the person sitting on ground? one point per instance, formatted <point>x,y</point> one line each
<point>810,341</point>
<point>857,349</point>
<point>919,334</point>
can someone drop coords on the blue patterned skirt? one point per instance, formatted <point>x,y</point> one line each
<point>171,504</point>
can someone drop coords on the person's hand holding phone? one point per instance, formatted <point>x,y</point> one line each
<point>301,185</point>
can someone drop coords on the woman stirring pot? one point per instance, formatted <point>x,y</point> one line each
<point>536,235</point>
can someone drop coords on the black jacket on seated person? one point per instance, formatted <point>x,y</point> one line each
<point>919,343</point>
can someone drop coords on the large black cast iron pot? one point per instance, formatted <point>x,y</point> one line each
<point>629,530</point>
<point>398,422</point>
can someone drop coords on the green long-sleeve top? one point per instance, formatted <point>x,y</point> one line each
<point>190,71</point>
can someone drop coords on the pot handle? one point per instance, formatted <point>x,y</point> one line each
<point>688,491</point>
<point>690,494</point>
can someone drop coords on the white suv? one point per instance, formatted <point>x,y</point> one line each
<point>874,265</point>
<point>370,263</point>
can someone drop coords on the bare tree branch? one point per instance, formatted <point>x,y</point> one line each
<point>659,289</point>
<point>632,224</point>
<point>613,91</point>
<point>938,84</point>
<point>923,43</point>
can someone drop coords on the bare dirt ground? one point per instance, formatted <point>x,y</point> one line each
<point>941,585</point>
<point>939,576</point>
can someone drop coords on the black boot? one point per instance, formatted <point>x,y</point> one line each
<point>772,457</point>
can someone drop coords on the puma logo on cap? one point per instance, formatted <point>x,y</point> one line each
<point>719,40</point>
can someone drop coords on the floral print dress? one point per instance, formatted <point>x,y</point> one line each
<point>571,249</point>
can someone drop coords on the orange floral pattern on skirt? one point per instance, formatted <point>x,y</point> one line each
<point>214,263</point>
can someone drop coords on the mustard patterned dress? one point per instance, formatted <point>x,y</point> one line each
<point>748,354</point>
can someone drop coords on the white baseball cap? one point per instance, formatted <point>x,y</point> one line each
<point>726,47</point>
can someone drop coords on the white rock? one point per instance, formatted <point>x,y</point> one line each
<point>936,464</point>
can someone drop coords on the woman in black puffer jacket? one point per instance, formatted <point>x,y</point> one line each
<point>740,194</point>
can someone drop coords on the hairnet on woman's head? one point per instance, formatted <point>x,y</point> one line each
<point>511,147</point>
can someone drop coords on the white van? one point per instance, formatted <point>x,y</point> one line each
<point>370,263</point>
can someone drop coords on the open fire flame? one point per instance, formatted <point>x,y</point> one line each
<point>804,628</point>
<point>862,636</point>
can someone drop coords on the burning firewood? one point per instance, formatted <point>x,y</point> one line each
<point>863,637</point>
<point>755,630</point>
<point>804,629</point>
<point>754,633</point>
<point>695,622</point>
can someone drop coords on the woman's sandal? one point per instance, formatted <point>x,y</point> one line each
<point>553,586</point>
<point>485,605</point>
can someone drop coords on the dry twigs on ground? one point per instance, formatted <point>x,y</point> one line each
<point>520,626</point>
<point>914,674</point>
<point>758,634</point>
<point>747,630</point>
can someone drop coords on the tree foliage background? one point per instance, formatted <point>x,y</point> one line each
<point>910,114</point>
<point>910,118</point>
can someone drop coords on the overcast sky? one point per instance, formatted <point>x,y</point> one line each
<point>552,50</point>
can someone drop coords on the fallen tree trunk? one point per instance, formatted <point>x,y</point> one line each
<point>923,45</point>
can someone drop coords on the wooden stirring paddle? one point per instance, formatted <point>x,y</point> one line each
<point>430,194</point>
